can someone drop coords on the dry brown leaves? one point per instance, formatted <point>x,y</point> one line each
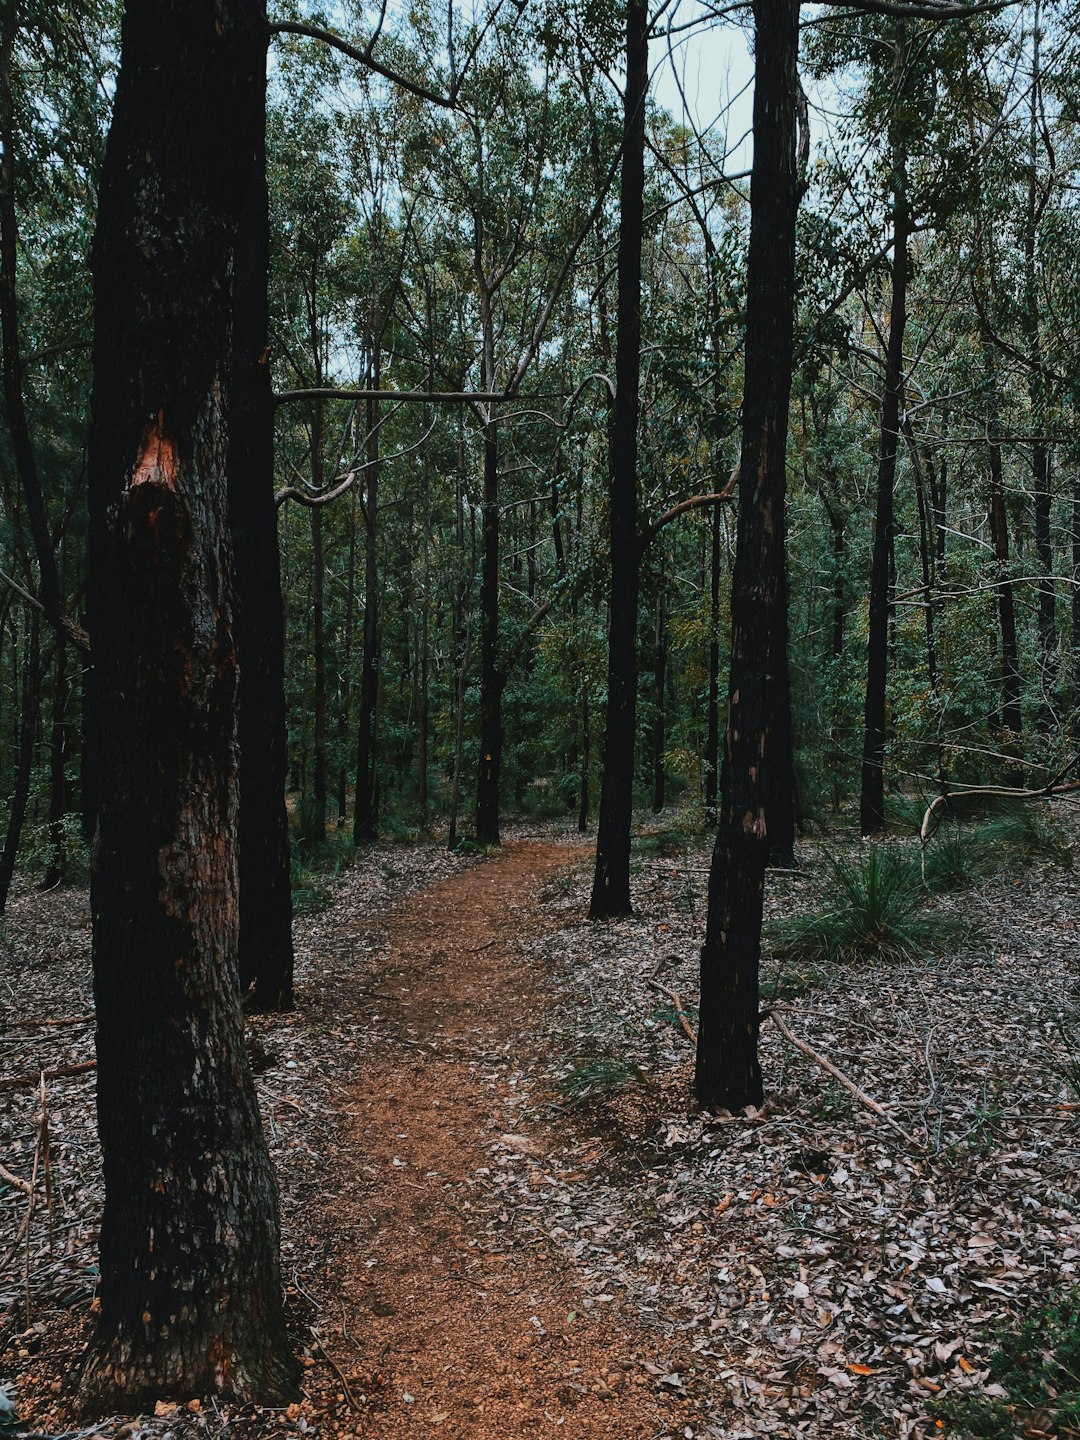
<point>798,1272</point>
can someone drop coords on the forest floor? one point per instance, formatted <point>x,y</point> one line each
<point>503,1217</point>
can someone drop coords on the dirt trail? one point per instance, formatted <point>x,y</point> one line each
<point>467,1330</point>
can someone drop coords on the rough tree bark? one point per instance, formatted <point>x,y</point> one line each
<point>611,879</point>
<point>266,948</point>
<point>190,1286</point>
<point>872,796</point>
<point>727,1072</point>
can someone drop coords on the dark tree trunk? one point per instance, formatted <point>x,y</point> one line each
<point>712,738</point>
<point>344,715</point>
<point>21,446</point>
<point>1011,714</point>
<point>190,1286</point>
<point>611,880</point>
<point>872,798</point>
<point>366,812</point>
<point>659,686</point>
<point>266,948</point>
<point>54,872</point>
<point>1044,557</point>
<point>317,819</point>
<point>28,721</point>
<point>727,1072</point>
<point>492,679</point>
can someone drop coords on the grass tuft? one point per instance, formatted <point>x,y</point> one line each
<point>874,907</point>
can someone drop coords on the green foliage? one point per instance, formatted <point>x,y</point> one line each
<point>1038,1365</point>
<point>596,1077</point>
<point>875,907</point>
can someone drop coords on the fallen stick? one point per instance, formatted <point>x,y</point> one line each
<point>676,1000</point>
<point>337,1371</point>
<point>17,1181</point>
<point>46,1024</point>
<point>849,1085</point>
<point>31,1082</point>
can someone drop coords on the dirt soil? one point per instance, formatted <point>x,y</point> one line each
<point>474,1333</point>
<point>393,1098</point>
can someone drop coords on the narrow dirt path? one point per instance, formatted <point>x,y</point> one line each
<point>470,1324</point>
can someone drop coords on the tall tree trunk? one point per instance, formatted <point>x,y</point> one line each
<point>1046,625</point>
<point>190,1285</point>
<point>611,879</point>
<point>1011,714</point>
<point>266,947</point>
<point>18,428</point>
<point>28,722</point>
<point>712,738</point>
<point>491,677</point>
<point>727,1072</point>
<point>659,685</point>
<point>366,812</point>
<point>54,872</point>
<point>872,798</point>
<point>317,819</point>
<point>344,716</point>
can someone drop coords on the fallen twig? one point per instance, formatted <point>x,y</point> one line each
<point>16,1180</point>
<point>336,1369</point>
<point>676,1000</point>
<point>849,1085</point>
<point>46,1024</point>
<point>28,1082</point>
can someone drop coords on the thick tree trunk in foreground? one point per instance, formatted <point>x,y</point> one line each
<point>266,949</point>
<point>872,796</point>
<point>190,1287</point>
<point>611,880</point>
<point>728,1073</point>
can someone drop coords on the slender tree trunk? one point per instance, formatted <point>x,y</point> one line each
<point>28,722</point>
<point>1046,626</point>
<point>611,879</point>
<point>727,1072</point>
<point>366,813</point>
<point>18,428</point>
<point>266,948</point>
<point>344,717</point>
<point>712,738</point>
<point>1011,713</point>
<point>872,800</point>
<point>54,873</point>
<point>318,635</point>
<point>659,685</point>
<point>190,1286</point>
<point>491,677</point>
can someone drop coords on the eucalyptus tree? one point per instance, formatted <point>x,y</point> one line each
<point>190,1286</point>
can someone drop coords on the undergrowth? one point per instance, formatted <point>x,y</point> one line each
<point>875,906</point>
<point>1038,1367</point>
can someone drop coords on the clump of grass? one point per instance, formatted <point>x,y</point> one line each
<point>660,842</point>
<point>958,855</point>
<point>1038,1366</point>
<point>598,1076</point>
<point>1030,839</point>
<point>873,908</point>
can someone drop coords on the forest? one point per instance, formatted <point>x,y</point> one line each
<point>539,712</point>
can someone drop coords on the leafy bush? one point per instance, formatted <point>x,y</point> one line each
<point>1038,1365</point>
<point>875,907</point>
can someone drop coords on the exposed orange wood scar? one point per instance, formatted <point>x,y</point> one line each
<point>156,463</point>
